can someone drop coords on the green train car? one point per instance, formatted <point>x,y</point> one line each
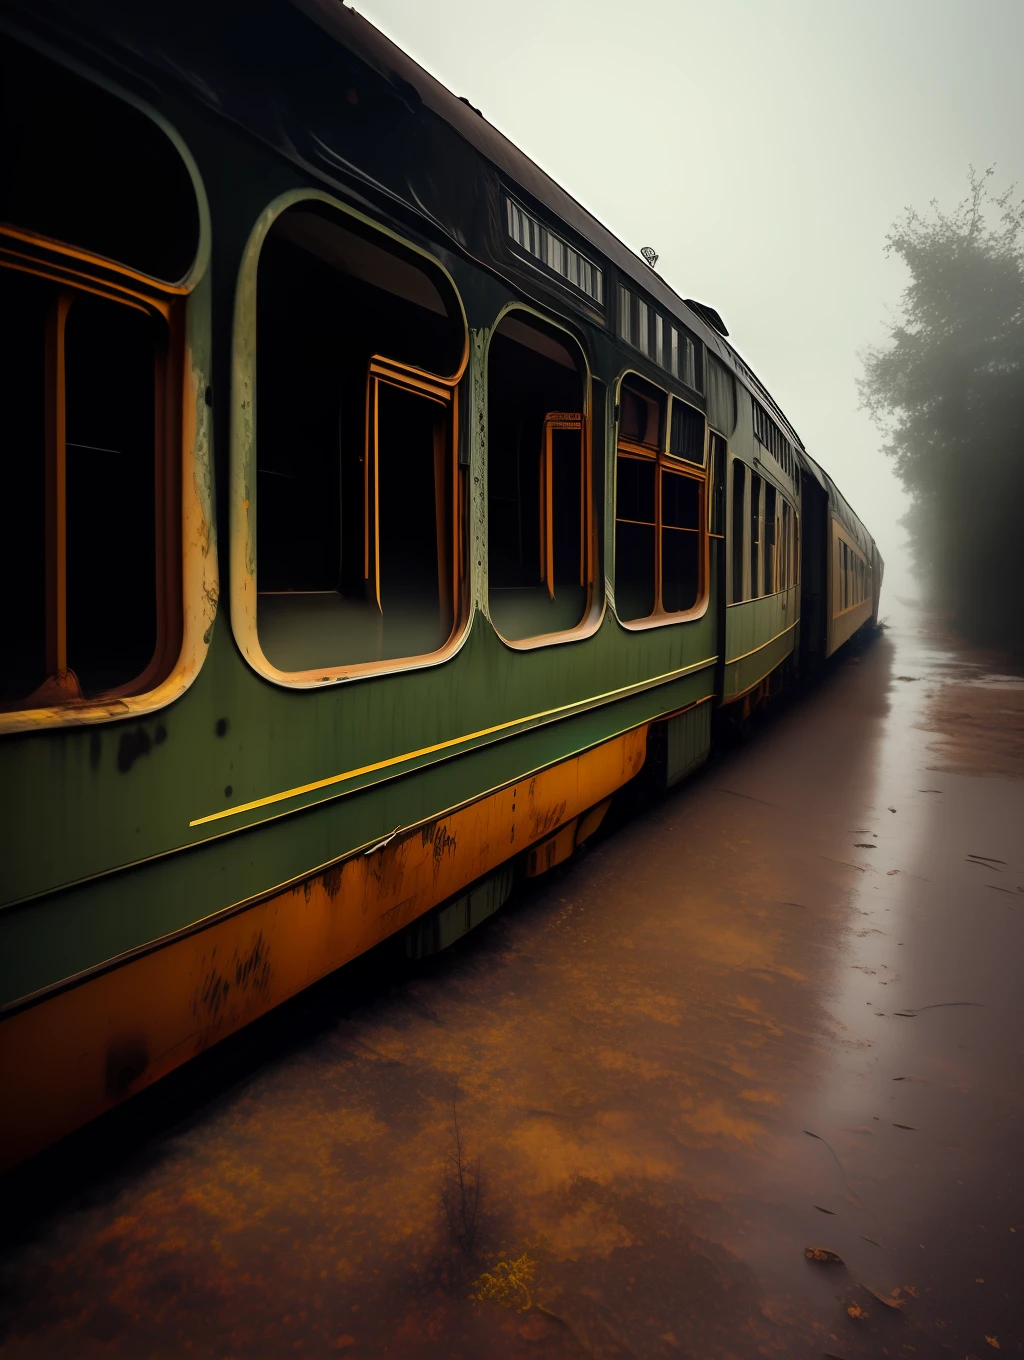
<point>371,516</point>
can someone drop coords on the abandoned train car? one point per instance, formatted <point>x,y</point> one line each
<point>373,514</point>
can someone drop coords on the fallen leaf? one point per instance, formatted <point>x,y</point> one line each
<point>823,1254</point>
<point>993,1341</point>
<point>855,1311</point>
<point>910,1127</point>
<point>909,1289</point>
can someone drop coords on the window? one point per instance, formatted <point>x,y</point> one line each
<point>643,328</point>
<point>686,439</point>
<point>91,389</point>
<point>671,348</point>
<point>540,550</point>
<point>358,492</point>
<point>721,396</point>
<point>719,454</point>
<point>543,244</point>
<point>853,586</point>
<point>82,166</point>
<point>769,585</point>
<point>772,438</point>
<point>739,523</point>
<point>660,506</point>
<point>754,539</point>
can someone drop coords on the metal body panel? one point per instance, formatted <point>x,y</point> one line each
<point>75,1053</point>
<point>688,742</point>
<point>759,635</point>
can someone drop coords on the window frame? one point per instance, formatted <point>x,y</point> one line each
<point>596,602</point>
<point>242,476</point>
<point>663,462</point>
<point>193,586</point>
<point>849,563</point>
<point>786,546</point>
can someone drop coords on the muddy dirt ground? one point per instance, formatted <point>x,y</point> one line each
<point>780,1011</point>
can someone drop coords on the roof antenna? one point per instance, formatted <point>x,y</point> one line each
<point>650,255</point>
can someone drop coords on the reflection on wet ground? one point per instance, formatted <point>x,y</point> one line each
<point>777,1013</point>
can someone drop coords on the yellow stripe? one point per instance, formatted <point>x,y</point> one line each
<point>441,746</point>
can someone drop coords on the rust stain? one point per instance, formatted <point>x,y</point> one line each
<point>546,819</point>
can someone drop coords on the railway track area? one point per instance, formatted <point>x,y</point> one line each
<point>744,1078</point>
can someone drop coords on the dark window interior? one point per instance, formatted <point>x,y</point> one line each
<point>79,165</point>
<point>111,509</point>
<point>687,435</point>
<point>680,541</point>
<point>659,529</point>
<point>334,445</point>
<point>739,524</point>
<point>534,413</point>
<point>635,529</point>
<point>641,424</point>
<point>640,416</point>
<point>25,303</point>
<point>755,536</point>
<point>105,635</point>
<point>718,458</point>
<point>768,541</point>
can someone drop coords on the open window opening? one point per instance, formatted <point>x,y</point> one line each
<point>83,167</point>
<point>540,551</point>
<point>768,535</point>
<point>739,527</point>
<point>716,509</point>
<point>660,507</point>
<point>91,358</point>
<point>754,540</point>
<point>358,493</point>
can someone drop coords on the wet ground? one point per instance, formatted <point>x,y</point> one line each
<point>780,1011</point>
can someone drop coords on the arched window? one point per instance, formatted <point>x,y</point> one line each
<point>540,553</point>
<point>99,226</point>
<point>360,341</point>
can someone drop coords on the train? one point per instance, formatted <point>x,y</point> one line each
<point>373,517</point>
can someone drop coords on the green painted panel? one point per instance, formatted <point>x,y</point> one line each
<point>66,932</point>
<point>759,634</point>
<point>79,802</point>
<point>688,742</point>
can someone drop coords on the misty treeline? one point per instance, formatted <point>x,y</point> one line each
<point>947,391</point>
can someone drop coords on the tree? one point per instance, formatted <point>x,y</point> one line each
<point>947,391</point>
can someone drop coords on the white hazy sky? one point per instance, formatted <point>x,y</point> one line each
<point>764,148</point>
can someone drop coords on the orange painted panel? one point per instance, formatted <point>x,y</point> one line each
<point>68,1058</point>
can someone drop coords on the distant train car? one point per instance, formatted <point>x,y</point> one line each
<point>372,516</point>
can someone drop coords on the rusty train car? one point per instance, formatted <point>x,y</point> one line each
<point>372,517</point>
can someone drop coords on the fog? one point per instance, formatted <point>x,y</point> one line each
<point>763,148</point>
